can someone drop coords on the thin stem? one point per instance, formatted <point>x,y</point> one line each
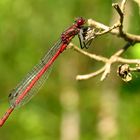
<point>92,56</point>
<point>90,75</point>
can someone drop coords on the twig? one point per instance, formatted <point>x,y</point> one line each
<point>128,61</point>
<point>116,29</point>
<point>92,56</point>
<point>120,22</point>
<point>90,75</point>
<point>123,5</point>
<point>115,58</point>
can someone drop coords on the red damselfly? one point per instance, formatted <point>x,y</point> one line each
<point>28,87</point>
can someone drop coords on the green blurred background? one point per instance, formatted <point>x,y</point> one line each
<point>65,109</point>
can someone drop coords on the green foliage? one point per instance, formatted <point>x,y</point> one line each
<point>27,29</point>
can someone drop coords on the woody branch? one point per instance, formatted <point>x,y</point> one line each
<point>117,30</point>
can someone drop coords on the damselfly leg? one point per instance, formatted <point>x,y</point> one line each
<point>86,36</point>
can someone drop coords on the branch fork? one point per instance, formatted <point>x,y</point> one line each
<point>99,29</point>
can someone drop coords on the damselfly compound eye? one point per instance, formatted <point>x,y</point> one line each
<point>80,21</point>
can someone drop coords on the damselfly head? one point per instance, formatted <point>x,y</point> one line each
<point>80,21</point>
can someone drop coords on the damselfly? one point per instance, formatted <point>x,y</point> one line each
<point>29,86</point>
